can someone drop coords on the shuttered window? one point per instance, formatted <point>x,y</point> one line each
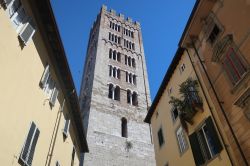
<point>181,140</point>
<point>205,142</point>
<point>53,97</point>
<point>20,20</point>
<point>6,3</point>
<point>27,32</point>
<point>66,128</point>
<point>49,86</point>
<point>28,150</point>
<point>233,66</point>
<point>45,77</point>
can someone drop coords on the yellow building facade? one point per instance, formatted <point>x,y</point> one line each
<point>41,120</point>
<point>181,138</point>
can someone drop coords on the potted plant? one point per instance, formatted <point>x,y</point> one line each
<point>188,103</point>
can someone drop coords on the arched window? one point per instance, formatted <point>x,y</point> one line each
<point>130,78</point>
<point>133,62</point>
<point>134,79</point>
<point>126,32</point>
<point>110,24</point>
<point>109,36</point>
<point>133,46</point>
<point>114,72</point>
<point>124,128</point>
<point>126,59</point>
<point>116,27</point>
<point>129,97</point>
<point>119,27</point>
<point>113,25</point>
<point>117,93</point>
<point>110,71</point>
<point>132,34</point>
<point>115,39</point>
<point>130,45</point>
<point>111,90</point>
<point>118,73</point>
<point>114,55</point>
<point>126,76</point>
<point>127,44</point>
<point>119,40</point>
<point>134,99</point>
<point>119,57</point>
<point>129,61</point>
<point>112,37</point>
<point>110,53</point>
<point>124,42</point>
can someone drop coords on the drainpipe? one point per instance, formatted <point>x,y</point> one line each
<point>209,106</point>
<point>220,105</point>
<point>53,140</point>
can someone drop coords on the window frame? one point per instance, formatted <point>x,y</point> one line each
<point>183,139</point>
<point>231,68</point>
<point>160,136</point>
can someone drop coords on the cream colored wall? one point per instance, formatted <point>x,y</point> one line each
<point>169,152</point>
<point>23,101</point>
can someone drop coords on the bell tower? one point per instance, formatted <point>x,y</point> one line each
<point>114,95</point>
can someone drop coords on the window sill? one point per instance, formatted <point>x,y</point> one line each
<point>212,159</point>
<point>241,83</point>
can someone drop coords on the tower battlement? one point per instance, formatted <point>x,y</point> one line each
<point>120,16</point>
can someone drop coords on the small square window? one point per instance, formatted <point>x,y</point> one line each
<point>182,68</point>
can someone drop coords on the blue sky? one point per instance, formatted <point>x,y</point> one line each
<point>162,23</point>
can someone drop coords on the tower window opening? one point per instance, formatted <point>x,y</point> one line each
<point>124,128</point>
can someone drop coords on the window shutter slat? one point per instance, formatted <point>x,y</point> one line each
<point>27,33</point>
<point>32,147</point>
<point>26,147</point>
<point>45,77</point>
<point>54,96</point>
<point>197,153</point>
<point>214,135</point>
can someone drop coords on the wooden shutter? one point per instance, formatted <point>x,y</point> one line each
<point>214,136</point>
<point>27,33</point>
<point>25,150</point>
<point>32,147</point>
<point>45,77</point>
<point>28,150</point>
<point>53,96</point>
<point>196,150</point>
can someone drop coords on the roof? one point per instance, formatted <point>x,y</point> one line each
<point>164,83</point>
<point>46,23</point>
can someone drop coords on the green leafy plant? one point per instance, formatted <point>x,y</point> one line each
<point>128,145</point>
<point>188,103</point>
